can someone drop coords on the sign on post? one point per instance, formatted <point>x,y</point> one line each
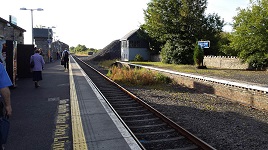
<point>204,44</point>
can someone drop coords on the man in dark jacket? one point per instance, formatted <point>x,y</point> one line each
<point>65,58</point>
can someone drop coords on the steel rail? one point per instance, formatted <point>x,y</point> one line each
<point>197,141</point>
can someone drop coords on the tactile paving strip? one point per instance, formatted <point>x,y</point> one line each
<point>79,142</point>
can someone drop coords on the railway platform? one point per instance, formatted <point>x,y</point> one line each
<point>65,112</point>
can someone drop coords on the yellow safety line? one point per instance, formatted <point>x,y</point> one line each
<point>79,141</point>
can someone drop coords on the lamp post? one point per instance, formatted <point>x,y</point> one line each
<point>38,9</point>
<point>49,40</point>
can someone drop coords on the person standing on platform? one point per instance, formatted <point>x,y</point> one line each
<point>5,82</point>
<point>65,58</point>
<point>38,67</point>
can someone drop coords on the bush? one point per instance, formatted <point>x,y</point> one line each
<point>162,78</point>
<point>198,55</point>
<point>258,61</point>
<point>136,76</point>
<point>173,52</point>
<point>138,57</point>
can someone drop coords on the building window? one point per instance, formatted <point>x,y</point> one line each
<point>124,44</point>
<point>135,44</point>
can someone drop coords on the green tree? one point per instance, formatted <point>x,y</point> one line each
<point>81,48</point>
<point>72,49</point>
<point>251,33</point>
<point>177,24</point>
<point>224,45</point>
<point>212,29</point>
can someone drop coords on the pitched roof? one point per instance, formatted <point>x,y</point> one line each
<point>127,36</point>
<point>13,25</point>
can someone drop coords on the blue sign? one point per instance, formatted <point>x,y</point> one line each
<point>204,44</point>
<point>49,41</point>
<point>12,19</point>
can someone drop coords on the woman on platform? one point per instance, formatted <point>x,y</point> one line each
<point>37,68</point>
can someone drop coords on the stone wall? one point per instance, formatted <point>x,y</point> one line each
<point>224,62</point>
<point>42,43</point>
<point>11,33</point>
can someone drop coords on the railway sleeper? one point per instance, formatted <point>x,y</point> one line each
<point>134,111</point>
<point>157,132</point>
<point>127,108</point>
<point>127,105</point>
<point>150,137</point>
<point>138,116</point>
<point>113,91</point>
<point>149,126</point>
<point>142,120</point>
<point>144,117</point>
<point>190,147</point>
<point>118,101</point>
<point>115,96</point>
<point>170,143</point>
<point>150,129</point>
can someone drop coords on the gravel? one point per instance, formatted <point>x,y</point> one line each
<point>216,120</point>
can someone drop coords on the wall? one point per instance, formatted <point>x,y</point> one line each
<point>11,33</point>
<point>251,96</point>
<point>43,44</point>
<point>135,51</point>
<point>225,62</point>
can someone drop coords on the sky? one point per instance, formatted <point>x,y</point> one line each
<point>94,23</point>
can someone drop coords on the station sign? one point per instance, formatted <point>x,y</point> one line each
<point>204,44</point>
<point>13,19</point>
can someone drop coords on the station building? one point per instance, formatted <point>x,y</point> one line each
<point>15,54</point>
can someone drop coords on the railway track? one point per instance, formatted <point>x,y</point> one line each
<point>151,128</point>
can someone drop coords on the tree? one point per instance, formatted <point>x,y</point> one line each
<point>80,48</point>
<point>212,29</point>
<point>224,45</point>
<point>72,49</point>
<point>251,33</point>
<point>177,24</point>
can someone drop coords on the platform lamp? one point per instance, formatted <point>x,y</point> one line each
<point>38,9</point>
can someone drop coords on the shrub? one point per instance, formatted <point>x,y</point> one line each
<point>198,55</point>
<point>136,76</point>
<point>138,57</point>
<point>162,78</point>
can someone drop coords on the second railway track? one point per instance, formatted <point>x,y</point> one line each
<point>152,129</point>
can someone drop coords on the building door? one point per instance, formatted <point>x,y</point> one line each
<point>9,53</point>
<point>24,53</point>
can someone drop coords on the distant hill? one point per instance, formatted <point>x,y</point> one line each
<point>109,52</point>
